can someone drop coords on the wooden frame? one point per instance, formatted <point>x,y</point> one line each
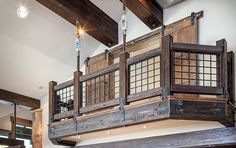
<point>150,105</point>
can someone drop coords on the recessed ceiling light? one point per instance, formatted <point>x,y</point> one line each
<point>144,126</point>
<point>22,12</point>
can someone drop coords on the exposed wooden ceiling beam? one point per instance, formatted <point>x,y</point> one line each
<point>149,11</point>
<point>94,21</point>
<point>220,137</point>
<point>19,99</point>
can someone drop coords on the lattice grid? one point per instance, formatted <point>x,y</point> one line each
<point>144,75</point>
<point>100,89</point>
<point>196,69</point>
<point>64,100</point>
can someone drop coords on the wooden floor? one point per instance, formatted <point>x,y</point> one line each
<point>221,137</point>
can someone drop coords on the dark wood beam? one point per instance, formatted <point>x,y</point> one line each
<point>149,11</point>
<point>221,137</point>
<point>93,20</point>
<point>11,142</point>
<point>19,99</point>
<point>22,121</point>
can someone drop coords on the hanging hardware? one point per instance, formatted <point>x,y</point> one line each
<point>122,111</point>
<point>87,61</point>
<point>75,120</point>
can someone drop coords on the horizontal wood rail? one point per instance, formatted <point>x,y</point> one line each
<point>95,107</point>
<point>145,94</point>
<point>64,85</point>
<point>197,89</point>
<point>193,48</point>
<point>144,56</point>
<point>100,72</point>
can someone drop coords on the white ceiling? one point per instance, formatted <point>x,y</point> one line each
<point>40,48</point>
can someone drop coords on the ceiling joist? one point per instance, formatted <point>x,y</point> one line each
<point>19,99</point>
<point>93,20</point>
<point>149,11</point>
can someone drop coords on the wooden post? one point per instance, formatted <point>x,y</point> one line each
<point>13,125</point>
<point>124,76</point>
<point>166,63</point>
<point>223,66</point>
<point>77,92</point>
<point>51,105</point>
<point>37,129</point>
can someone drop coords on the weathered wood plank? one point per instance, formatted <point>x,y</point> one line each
<point>144,56</point>
<point>100,72</point>
<point>19,99</point>
<point>231,76</point>
<point>51,101</point>
<point>145,94</point>
<point>92,19</point>
<point>220,137</point>
<point>123,76</point>
<point>197,48</point>
<point>165,81</point>
<point>195,110</point>
<point>63,85</point>
<point>154,110</point>
<point>197,89</point>
<point>103,105</point>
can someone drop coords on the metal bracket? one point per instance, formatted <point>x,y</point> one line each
<point>122,111</point>
<point>86,61</point>
<point>165,92</point>
<point>75,120</point>
<point>193,15</point>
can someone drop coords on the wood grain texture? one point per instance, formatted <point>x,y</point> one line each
<point>221,137</point>
<point>148,11</point>
<point>93,20</point>
<point>37,135</point>
<point>154,110</point>
<point>19,99</point>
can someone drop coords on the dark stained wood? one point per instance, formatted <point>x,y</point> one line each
<point>220,137</point>
<point>196,48</point>
<point>63,85</point>
<point>231,76</point>
<point>223,66</point>
<point>99,62</point>
<point>145,94</point>
<point>51,101</point>
<point>149,111</point>
<point>197,89</point>
<point>93,20</point>
<point>124,76</point>
<point>144,56</point>
<point>196,110</point>
<point>11,142</point>
<point>77,92</point>
<point>19,99</point>
<point>63,115</point>
<point>100,72</point>
<point>167,42</point>
<point>103,105</point>
<point>148,11</point>
<point>22,121</point>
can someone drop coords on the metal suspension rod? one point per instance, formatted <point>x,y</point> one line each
<point>124,25</point>
<point>78,46</point>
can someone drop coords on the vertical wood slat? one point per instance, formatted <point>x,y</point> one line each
<point>77,91</point>
<point>166,62</point>
<point>223,65</point>
<point>124,76</point>
<point>52,100</point>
